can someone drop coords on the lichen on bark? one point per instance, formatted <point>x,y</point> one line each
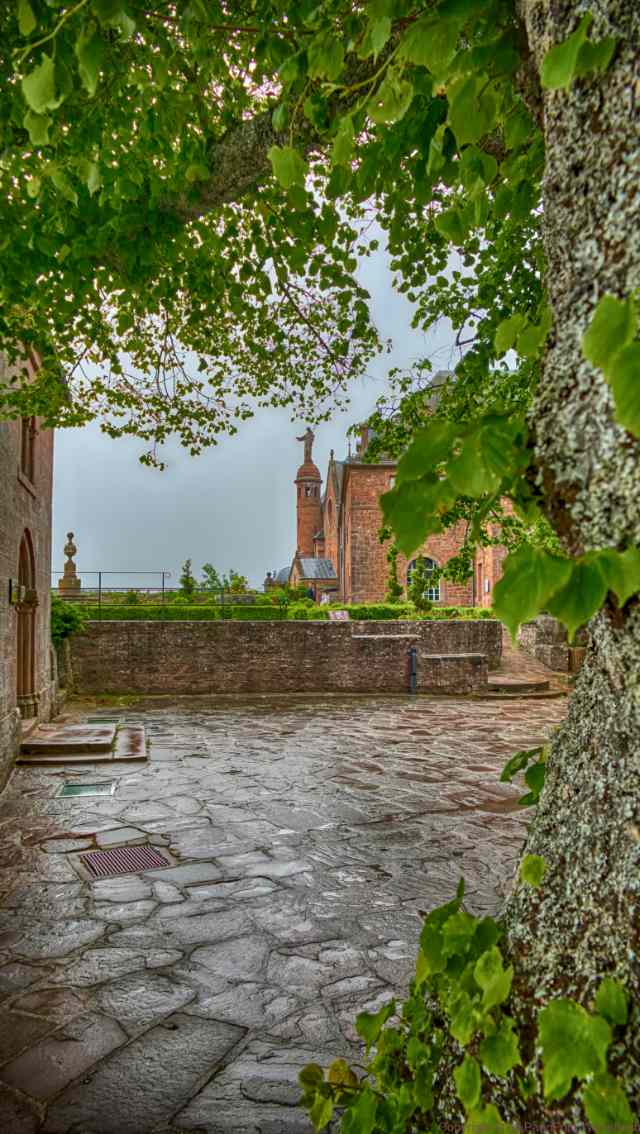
<point>584,921</point>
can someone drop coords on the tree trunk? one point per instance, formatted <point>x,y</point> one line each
<point>584,921</point>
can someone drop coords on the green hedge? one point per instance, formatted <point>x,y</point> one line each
<point>298,612</point>
<point>380,611</point>
<point>180,613</point>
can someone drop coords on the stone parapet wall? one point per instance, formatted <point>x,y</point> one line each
<point>278,657</point>
<point>546,640</point>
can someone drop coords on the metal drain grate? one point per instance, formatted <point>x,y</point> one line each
<point>105,788</point>
<point>122,860</point>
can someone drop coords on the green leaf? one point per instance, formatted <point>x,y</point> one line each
<point>39,87</point>
<point>574,1045</point>
<point>472,109</point>
<point>463,1018</point>
<point>500,1052</point>
<point>311,1076</point>
<point>33,187</point>
<point>430,42</point>
<point>325,56</point>
<point>342,149</point>
<point>429,447</point>
<point>517,763</point>
<point>370,1024</point>
<point>492,977</point>
<point>612,326</point>
<point>531,340</point>
<point>624,377</point>
<point>197,171</point>
<point>288,166</point>
<point>26,19</point>
<point>38,126</point>
<point>532,869</point>
<point>469,473</point>
<point>414,510</point>
<point>622,572</point>
<point>607,1107</point>
<point>468,1082</point>
<point>64,186</point>
<point>361,1115</point>
<point>321,1112</point>
<point>518,127</point>
<point>391,101</point>
<point>341,1075</point>
<point>530,577</point>
<point>507,332</point>
<point>376,36</point>
<point>94,178</point>
<point>559,64</point>
<point>90,50</point>
<point>595,56</point>
<point>612,1001</point>
<point>457,933</point>
<point>423,1086</point>
<point>487,1121</point>
<point>450,224</point>
<point>582,595</point>
<point>534,777</point>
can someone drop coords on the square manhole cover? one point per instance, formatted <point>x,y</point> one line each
<point>120,860</point>
<point>105,788</point>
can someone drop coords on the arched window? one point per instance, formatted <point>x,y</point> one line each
<point>432,593</point>
<point>27,446</point>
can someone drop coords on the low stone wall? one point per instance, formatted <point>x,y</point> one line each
<point>546,640</point>
<point>283,657</point>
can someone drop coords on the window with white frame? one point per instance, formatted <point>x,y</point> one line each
<point>432,592</point>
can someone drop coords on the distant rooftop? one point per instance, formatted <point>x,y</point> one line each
<point>317,569</point>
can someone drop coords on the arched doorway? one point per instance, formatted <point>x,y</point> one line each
<point>26,646</point>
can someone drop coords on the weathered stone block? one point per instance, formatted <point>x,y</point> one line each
<point>555,656</point>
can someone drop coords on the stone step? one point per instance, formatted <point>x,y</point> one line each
<point>546,695</point>
<point>130,744</point>
<point>505,683</point>
<point>67,739</point>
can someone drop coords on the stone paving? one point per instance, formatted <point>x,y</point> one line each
<point>308,836</point>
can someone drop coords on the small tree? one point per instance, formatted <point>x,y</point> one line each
<point>238,584</point>
<point>394,588</point>
<point>211,580</point>
<point>420,580</point>
<point>187,581</point>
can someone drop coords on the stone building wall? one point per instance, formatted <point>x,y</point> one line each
<point>366,568</point>
<point>25,520</point>
<point>282,657</point>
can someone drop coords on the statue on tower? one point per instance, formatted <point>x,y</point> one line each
<point>308,439</point>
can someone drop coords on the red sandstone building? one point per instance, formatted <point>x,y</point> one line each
<point>27,665</point>
<point>338,547</point>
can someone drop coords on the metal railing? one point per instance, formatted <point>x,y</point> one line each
<point>98,590</point>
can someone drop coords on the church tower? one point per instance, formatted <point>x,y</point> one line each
<point>309,512</point>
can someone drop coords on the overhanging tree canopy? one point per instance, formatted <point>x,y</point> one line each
<point>203,174</point>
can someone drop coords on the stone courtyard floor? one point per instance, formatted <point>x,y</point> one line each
<point>308,835</point>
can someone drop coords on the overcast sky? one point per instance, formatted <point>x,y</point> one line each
<point>233,506</point>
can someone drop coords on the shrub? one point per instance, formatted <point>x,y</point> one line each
<point>307,611</point>
<point>67,618</point>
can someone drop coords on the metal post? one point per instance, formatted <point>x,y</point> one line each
<point>412,666</point>
<point>100,596</point>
